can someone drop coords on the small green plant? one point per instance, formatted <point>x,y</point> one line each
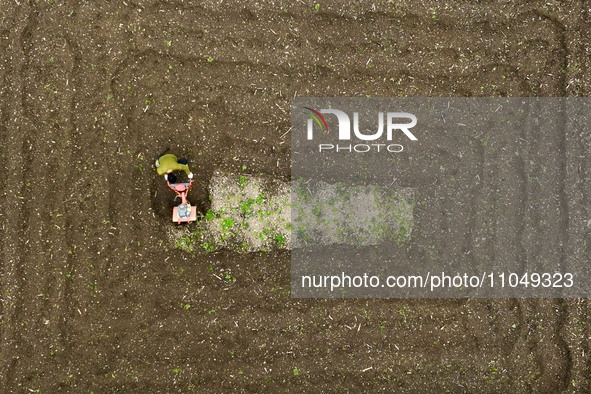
<point>209,215</point>
<point>185,243</point>
<point>280,239</point>
<point>186,306</point>
<point>227,224</point>
<point>229,278</point>
<point>49,87</point>
<point>208,247</point>
<point>296,371</point>
<point>403,311</point>
<point>316,7</point>
<point>210,59</point>
<point>574,66</point>
<point>263,234</point>
<point>246,205</point>
<point>176,370</point>
<point>94,287</point>
<point>140,165</point>
<point>317,210</point>
<point>434,13</point>
<point>168,43</point>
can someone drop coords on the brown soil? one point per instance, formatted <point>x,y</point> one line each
<point>95,299</point>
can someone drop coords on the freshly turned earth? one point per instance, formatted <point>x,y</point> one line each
<point>94,298</point>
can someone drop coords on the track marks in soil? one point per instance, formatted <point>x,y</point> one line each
<point>120,275</point>
<point>520,213</point>
<point>14,216</point>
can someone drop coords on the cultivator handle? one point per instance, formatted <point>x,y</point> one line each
<point>180,188</point>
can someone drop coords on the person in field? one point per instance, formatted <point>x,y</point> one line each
<point>168,163</point>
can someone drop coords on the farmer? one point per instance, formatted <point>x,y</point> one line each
<point>166,164</point>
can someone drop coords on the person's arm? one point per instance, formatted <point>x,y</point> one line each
<point>186,169</point>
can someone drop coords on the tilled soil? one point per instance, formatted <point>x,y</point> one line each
<point>95,298</point>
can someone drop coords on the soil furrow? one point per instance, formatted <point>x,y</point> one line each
<point>213,82</point>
